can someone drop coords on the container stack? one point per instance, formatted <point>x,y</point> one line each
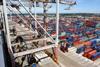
<point>83,34</point>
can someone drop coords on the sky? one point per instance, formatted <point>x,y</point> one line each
<point>91,6</point>
<point>83,6</point>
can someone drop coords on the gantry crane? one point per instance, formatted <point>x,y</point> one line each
<point>17,5</point>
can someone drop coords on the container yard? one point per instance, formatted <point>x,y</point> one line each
<point>36,38</point>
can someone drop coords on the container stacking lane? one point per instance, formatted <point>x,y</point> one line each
<point>77,59</point>
<point>67,61</point>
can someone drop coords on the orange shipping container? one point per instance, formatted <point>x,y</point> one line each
<point>88,43</point>
<point>77,43</point>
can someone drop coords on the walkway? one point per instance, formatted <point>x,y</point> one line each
<point>2,64</point>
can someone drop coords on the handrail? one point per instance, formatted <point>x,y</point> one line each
<point>19,15</point>
<point>22,18</point>
<point>37,21</point>
<point>18,10</point>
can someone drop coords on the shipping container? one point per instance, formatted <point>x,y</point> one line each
<point>95,56</point>
<point>91,53</point>
<point>87,51</point>
<point>80,49</point>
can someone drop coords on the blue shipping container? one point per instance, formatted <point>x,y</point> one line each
<point>95,55</point>
<point>33,65</point>
<point>80,49</point>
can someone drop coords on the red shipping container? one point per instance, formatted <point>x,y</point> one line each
<point>98,57</point>
<point>89,23</point>
<point>88,33</point>
<point>71,30</point>
<point>76,36</point>
<point>53,33</point>
<point>62,37</point>
<point>91,53</point>
<point>87,51</point>
<point>88,43</point>
<point>85,54</point>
